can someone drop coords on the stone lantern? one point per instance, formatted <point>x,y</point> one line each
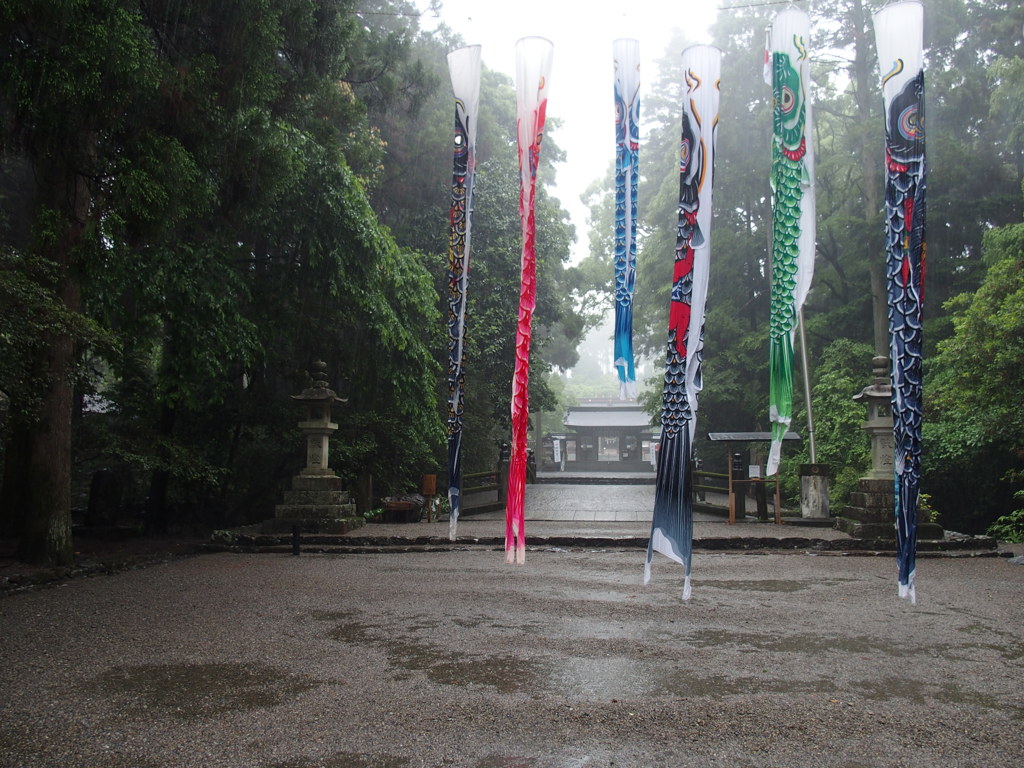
<point>878,398</point>
<point>317,426</point>
<point>317,501</point>
<point>872,510</point>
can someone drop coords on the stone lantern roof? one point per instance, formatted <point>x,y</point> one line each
<point>319,392</point>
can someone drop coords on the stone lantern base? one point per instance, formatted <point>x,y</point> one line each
<point>316,504</point>
<point>872,513</point>
<point>872,510</point>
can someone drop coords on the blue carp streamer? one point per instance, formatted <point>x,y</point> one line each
<point>627,173</point>
<point>899,32</point>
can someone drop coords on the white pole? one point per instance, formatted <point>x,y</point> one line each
<point>807,387</point>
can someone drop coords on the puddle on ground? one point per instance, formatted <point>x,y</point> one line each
<point>352,632</point>
<point>348,760</point>
<point>622,678</point>
<point>190,691</point>
<point>499,761</point>
<point>810,643</point>
<point>687,683</point>
<point>771,585</point>
<point>442,666</point>
<point>506,675</point>
<point>919,693</point>
<point>503,673</point>
<point>1013,651</point>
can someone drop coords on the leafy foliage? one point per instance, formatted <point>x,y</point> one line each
<point>841,443</point>
<point>975,382</point>
<point>1009,527</point>
<point>231,241</point>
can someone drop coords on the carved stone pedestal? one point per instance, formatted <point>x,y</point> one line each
<point>316,505</point>
<point>872,513</point>
<point>814,491</point>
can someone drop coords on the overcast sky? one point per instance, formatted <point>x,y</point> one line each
<point>581,77</point>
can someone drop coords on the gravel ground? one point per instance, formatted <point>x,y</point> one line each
<point>455,659</point>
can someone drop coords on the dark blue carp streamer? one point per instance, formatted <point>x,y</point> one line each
<point>464,68</point>
<point>898,31</point>
<point>672,522</point>
<point>627,173</point>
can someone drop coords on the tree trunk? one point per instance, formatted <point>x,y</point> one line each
<point>46,537</point>
<point>159,481</point>
<point>14,494</point>
<point>865,91</point>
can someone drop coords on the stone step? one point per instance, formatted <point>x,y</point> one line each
<point>316,498</point>
<point>317,537</point>
<point>314,512</point>
<point>873,500</point>
<point>859,529</point>
<point>869,516</point>
<point>283,527</point>
<point>317,483</point>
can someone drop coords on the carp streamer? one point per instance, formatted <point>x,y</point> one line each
<point>533,70</point>
<point>672,522</point>
<point>627,173</point>
<point>787,69</point>
<point>464,69</point>
<point>899,39</point>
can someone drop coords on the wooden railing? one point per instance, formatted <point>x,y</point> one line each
<point>709,483</point>
<point>480,482</point>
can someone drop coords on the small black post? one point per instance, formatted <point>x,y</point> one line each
<point>504,456</point>
<point>295,540</point>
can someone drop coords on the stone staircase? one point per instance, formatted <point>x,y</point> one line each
<point>871,513</point>
<point>315,504</point>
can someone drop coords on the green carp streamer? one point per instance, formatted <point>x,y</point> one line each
<point>789,181</point>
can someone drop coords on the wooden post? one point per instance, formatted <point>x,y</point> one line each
<point>732,495</point>
<point>429,490</point>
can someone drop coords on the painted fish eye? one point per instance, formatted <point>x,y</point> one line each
<point>910,123</point>
<point>788,99</point>
<point>458,139</point>
<point>684,154</point>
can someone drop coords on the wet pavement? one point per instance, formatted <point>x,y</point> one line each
<point>449,657</point>
<point>456,659</point>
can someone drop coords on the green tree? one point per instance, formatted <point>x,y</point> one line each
<point>974,427</point>
<point>71,74</point>
<point>842,372</point>
<point>202,211</point>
